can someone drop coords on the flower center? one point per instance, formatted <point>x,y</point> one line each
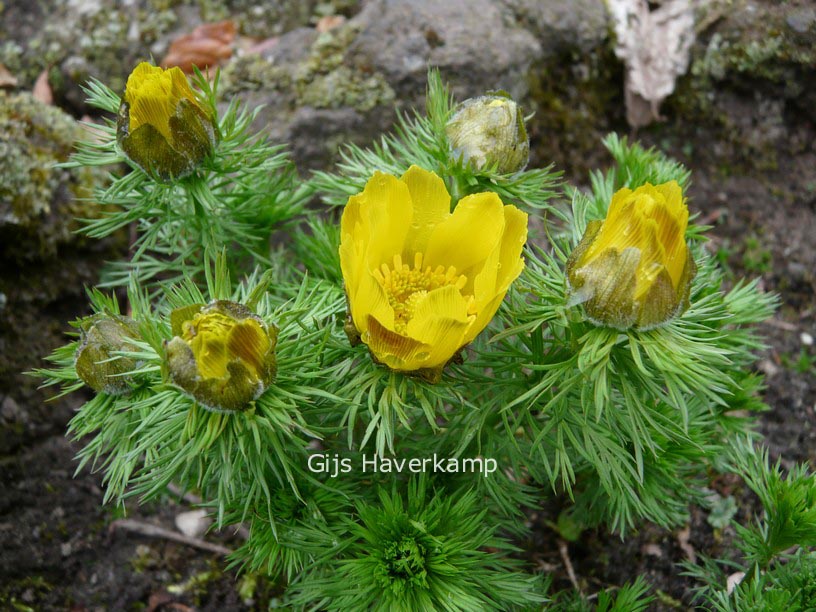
<point>406,286</point>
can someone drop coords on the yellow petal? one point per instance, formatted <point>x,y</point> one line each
<point>483,318</point>
<point>210,355</point>
<point>180,86</point>
<point>394,350</point>
<point>513,240</point>
<point>248,342</point>
<point>385,213</point>
<point>466,238</point>
<point>431,202</point>
<point>440,322</point>
<point>371,300</point>
<point>353,245</point>
<point>373,228</point>
<point>502,268</point>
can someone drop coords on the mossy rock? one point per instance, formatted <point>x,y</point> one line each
<point>38,200</point>
<point>748,81</point>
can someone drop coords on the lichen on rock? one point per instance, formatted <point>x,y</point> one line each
<point>748,76</point>
<point>37,199</point>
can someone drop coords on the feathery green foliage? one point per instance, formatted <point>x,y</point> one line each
<point>778,570</point>
<point>545,407</point>
<point>240,193</point>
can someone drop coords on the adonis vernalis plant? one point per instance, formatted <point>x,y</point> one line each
<point>344,399</point>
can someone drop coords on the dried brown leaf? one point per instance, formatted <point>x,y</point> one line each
<point>42,89</point>
<point>654,44</point>
<point>209,45</point>
<point>684,541</point>
<point>7,80</point>
<point>329,22</point>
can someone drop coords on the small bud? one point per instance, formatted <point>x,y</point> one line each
<point>490,130</point>
<point>223,355</point>
<point>162,127</point>
<point>634,270</point>
<point>101,336</point>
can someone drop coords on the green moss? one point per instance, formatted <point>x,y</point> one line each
<point>105,34</point>
<point>252,73</point>
<point>321,80</point>
<point>144,558</point>
<point>575,96</point>
<point>258,19</point>
<point>756,55</point>
<point>35,586</point>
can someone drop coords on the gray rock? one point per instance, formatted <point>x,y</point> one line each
<point>10,411</point>
<point>478,45</point>
<point>580,25</point>
<point>320,90</point>
<point>802,20</point>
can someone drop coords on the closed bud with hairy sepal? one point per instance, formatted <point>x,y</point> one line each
<point>97,362</point>
<point>634,269</point>
<point>489,130</point>
<point>222,354</point>
<point>162,126</point>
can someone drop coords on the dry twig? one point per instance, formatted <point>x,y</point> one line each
<point>154,531</point>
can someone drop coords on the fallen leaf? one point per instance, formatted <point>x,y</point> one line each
<point>208,46</point>
<point>329,22</point>
<point>42,89</point>
<point>683,540</point>
<point>7,80</point>
<point>733,580</point>
<point>654,46</point>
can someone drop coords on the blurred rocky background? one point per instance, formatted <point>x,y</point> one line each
<point>741,114</point>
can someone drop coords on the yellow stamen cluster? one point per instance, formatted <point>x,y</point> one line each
<point>406,286</point>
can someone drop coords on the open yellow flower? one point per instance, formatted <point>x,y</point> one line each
<point>422,282</point>
<point>162,126</point>
<point>634,269</point>
<point>222,354</point>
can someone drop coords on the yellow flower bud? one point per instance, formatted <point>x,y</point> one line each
<point>490,130</point>
<point>162,127</point>
<point>222,354</point>
<point>422,282</point>
<point>634,270</point>
<point>101,336</point>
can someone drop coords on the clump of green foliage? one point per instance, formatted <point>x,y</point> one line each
<point>617,427</point>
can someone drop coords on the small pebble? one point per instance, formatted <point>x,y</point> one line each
<point>801,20</point>
<point>733,580</point>
<point>768,367</point>
<point>193,523</point>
